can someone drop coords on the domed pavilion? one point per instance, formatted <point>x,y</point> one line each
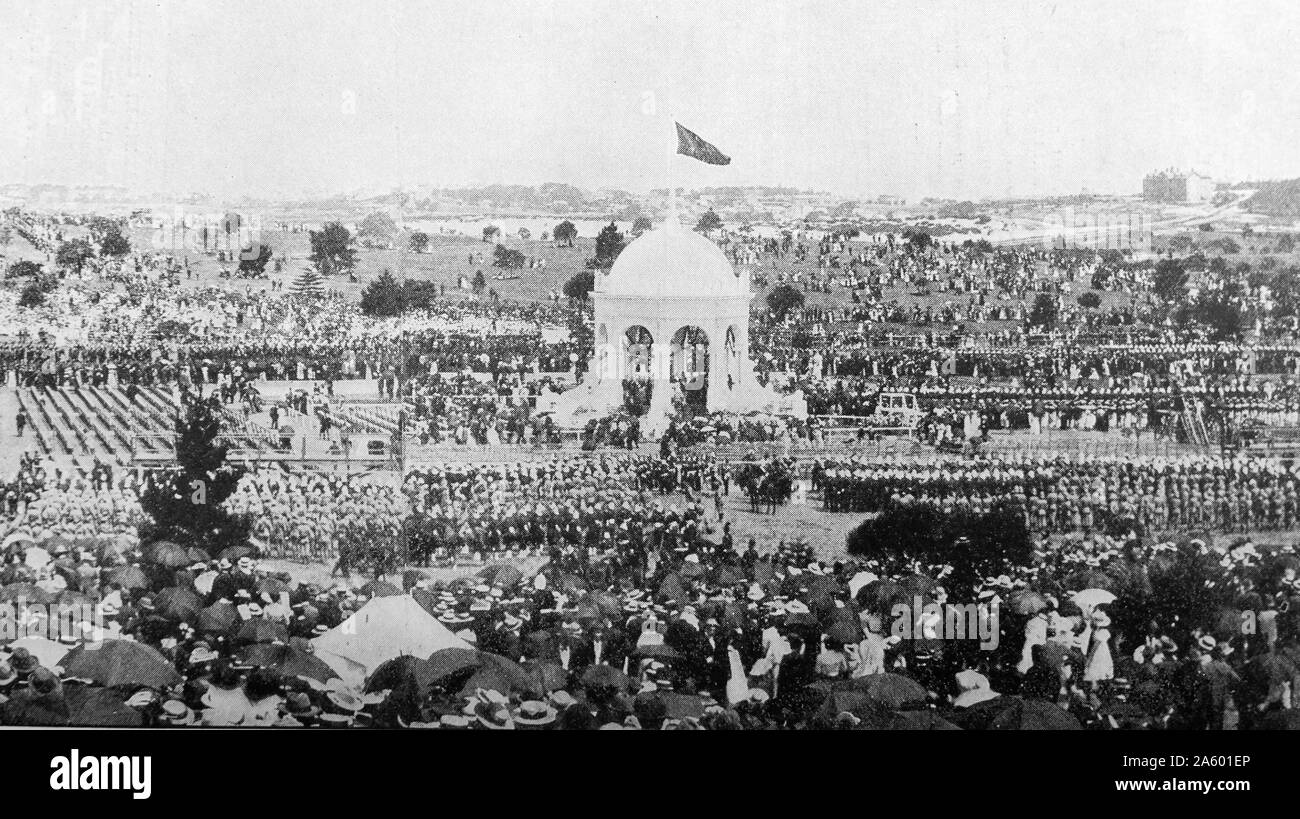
<point>671,320</point>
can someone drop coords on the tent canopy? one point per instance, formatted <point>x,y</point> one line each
<point>384,628</point>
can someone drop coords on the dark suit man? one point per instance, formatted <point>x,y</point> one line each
<point>599,648</point>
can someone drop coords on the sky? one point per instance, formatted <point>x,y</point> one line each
<point>953,99</point>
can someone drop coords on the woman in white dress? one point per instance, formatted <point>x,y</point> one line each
<point>1099,667</point>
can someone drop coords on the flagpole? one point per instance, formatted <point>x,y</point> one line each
<point>672,187</point>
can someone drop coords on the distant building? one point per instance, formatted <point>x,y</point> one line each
<point>1176,186</point>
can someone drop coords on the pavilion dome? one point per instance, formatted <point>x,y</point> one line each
<point>672,262</point>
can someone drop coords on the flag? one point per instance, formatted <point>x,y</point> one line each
<point>690,144</point>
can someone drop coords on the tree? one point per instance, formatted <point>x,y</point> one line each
<point>507,257</point>
<point>1285,243</point>
<point>186,506</point>
<point>378,228</point>
<point>6,235</point>
<point>490,233</point>
<point>254,258</point>
<point>1089,300</point>
<point>782,299</point>
<point>1044,312</point>
<point>420,294</point>
<point>565,232</point>
<point>107,233</point>
<point>73,254</point>
<point>33,295</point>
<point>918,241</point>
<point>609,243</point>
<point>419,241</point>
<point>580,285</point>
<point>383,297</point>
<point>640,225</point>
<point>480,282</point>
<point>331,249</point>
<point>709,222</point>
<point>1170,279</point>
<point>23,269</point>
<point>525,233</point>
<point>906,537</point>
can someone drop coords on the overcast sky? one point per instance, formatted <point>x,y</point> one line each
<point>959,98</point>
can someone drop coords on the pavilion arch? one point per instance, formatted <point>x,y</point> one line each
<point>689,367</point>
<point>731,353</point>
<point>638,353</point>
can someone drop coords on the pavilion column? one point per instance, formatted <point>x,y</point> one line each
<point>719,397</point>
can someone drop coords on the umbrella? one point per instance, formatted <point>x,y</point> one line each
<point>260,630</point>
<point>123,663</point>
<point>570,584</point>
<point>233,553</point>
<point>71,597</point>
<point>691,570</point>
<point>403,670</point>
<point>890,690</point>
<point>17,542</point>
<point>29,592</point>
<point>917,585</point>
<point>94,707</point>
<point>546,675</point>
<point>166,553</point>
<point>449,661</point>
<point>271,587</point>
<point>605,676</point>
<point>925,719</point>
<point>608,605</point>
<point>1227,624</point>
<point>1284,720</point>
<point>217,618</point>
<point>1028,601</point>
<point>129,577</point>
<point>197,555</point>
<point>1033,715</point>
<point>680,706</point>
<point>178,604</point>
<point>412,576</point>
<point>287,660</point>
<point>46,651</point>
<point>378,588</point>
<point>843,631</point>
<point>727,576</point>
<point>1089,599</point>
<point>671,588</point>
<point>656,651</point>
<point>503,575</point>
<point>497,673</point>
<point>876,595</point>
<point>1090,579</point>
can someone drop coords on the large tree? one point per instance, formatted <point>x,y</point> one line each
<point>73,254</point>
<point>1044,312</point>
<point>709,222</point>
<point>331,249</point>
<point>609,243</point>
<point>383,297</point>
<point>419,241</point>
<point>1170,279</point>
<point>565,232</point>
<point>640,225</point>
<point>107,233</point>
<point>920,536</point>
<point>782,299</point>
<point>185,505</point>
<point>579,285</point>
<point>23,269</point>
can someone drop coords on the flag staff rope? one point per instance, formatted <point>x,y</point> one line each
<point>672,186</point>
